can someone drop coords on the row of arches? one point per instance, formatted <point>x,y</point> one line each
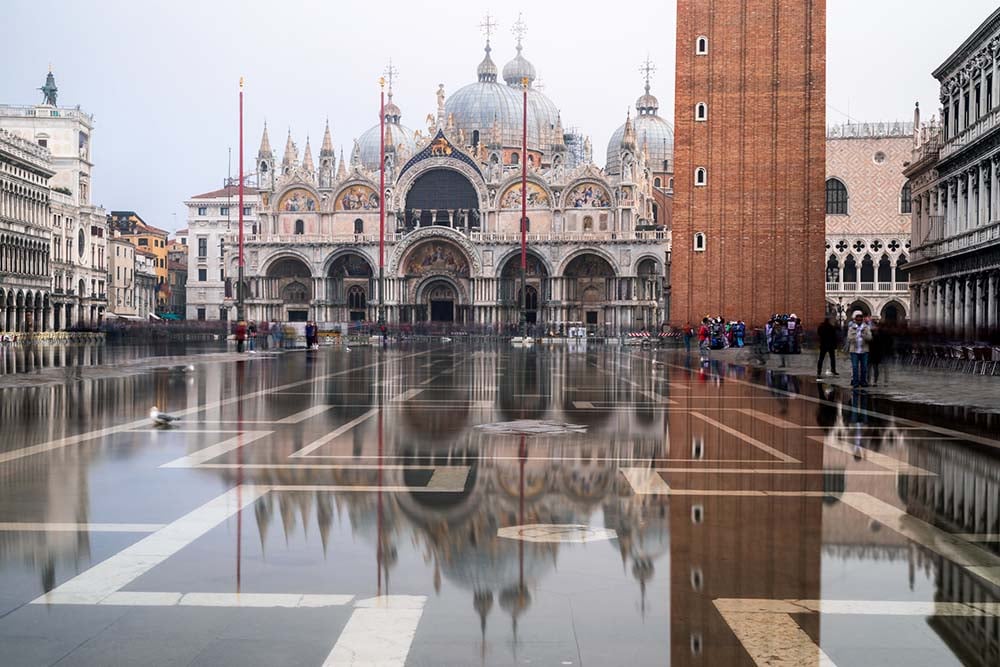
<point>866,271</point>
<point>25,256</point>
<point>23,310</point>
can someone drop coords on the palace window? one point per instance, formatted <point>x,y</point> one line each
<point>701,46</point>
<point>701,111</point>
<point>202,275</point>
<point>656,182</point>
<point>906,199</point>
<point>202,246</point>
<point>514,158</point>
<point>701,176</point>
<point>202,210</point>
<point>223,210</point>
<point>836,197</point>
<point>300,227</point>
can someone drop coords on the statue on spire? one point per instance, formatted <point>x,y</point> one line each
<point>49,90</point>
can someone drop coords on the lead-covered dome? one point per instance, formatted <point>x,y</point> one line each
<point>651,131</point>
<point>396,134</point>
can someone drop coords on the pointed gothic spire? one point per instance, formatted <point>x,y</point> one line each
<point>342,168</point>
<point>628,138</point>
<point>265,145</point>
<point>307,158</point>
<point>291,154</point>
<point>327,149</point>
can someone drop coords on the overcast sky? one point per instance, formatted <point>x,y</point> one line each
<point>161,77</point>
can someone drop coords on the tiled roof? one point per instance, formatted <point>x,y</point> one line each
<point>229,191</point>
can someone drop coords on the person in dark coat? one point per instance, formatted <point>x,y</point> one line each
<point>881,354</point>
<point>827,332</point>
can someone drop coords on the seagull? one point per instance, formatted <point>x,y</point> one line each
<point>161,418</point>
<point>347,349</point>
<point>445,339</point>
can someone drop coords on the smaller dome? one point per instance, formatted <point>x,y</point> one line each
<point>518,69</point>
<point>487,70</point>
<point>647,104</point>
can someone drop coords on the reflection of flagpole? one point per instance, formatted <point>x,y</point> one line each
<point>239,279</point>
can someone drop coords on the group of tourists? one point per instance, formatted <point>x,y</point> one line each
<point>267,335</point>
<point>783,334</point>
<point>868,345</point>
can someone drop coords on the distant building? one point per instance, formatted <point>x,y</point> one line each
<point>177,271</point>
<point>212,218</point>
<point>121,277</point>
<point>146,283</point>
<point>145,237</point>
<point>79,229</point>
<point>868,220</point>
<point>25,236</point>
<point>955,184</point>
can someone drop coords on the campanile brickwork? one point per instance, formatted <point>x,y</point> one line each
<point>761,75</point>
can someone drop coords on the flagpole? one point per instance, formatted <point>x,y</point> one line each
<point>239,279</point>
<point>524,209</point>
<point>381,207</point>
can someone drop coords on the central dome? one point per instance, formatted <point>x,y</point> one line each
<point>651,131</point>
<point>396,134</point>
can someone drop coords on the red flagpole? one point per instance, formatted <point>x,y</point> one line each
<point>381,206</point>
<point>524,208</point>
<point>239,289</point>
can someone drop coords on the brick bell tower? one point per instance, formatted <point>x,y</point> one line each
<point>750,155</point>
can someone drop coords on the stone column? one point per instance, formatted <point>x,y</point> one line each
<point>991,299</point>
<point>981,297</point>
<point>947,309</point>
<point>995,178</point>
<point>969,303</point>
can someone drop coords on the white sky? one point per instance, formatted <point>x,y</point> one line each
<point>161,77</point>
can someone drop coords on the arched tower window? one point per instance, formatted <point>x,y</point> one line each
<point>701,176</point>
<point>656,182</point>
<point>514,158</point>
<point>359,226</point>
<point>701,46</point>
<point>906,199</point>
<point>836,197</point>
<point>300,227</point>
<point>699,242</point>
<point>701,111</point>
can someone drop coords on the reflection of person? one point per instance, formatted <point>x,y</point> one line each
<point>858,345</point>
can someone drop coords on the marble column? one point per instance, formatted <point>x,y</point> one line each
<point>991,301</point>
<point>970,307</point>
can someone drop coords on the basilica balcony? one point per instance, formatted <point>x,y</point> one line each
<point>574,237</point>
<point>846,288</point>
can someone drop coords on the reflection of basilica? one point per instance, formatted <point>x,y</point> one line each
<point>597,237</point>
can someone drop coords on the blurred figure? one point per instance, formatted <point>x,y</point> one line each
<point>882,349</point>
<point>858,345</point>
<point>252,335</point>
<point>704,340</point>
<point>827,332</point>
<point>241,335</point>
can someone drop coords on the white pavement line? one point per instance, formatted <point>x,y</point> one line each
<point>856,607</point>
<point>216,450</point>
<point>290,600</point>
<point>80,527</point>
<point>111,575</point>
<point>646,481</point>
<point>746,438</point>
<point>43,447</point>
<point>448,477</point>
<point>333,435</point>
<point>406,395</point>
<point>299,417</point>
<point>876,458</point>
<point>775,640</point>
<point>583,405</point>
<point>770,419</point>
<point>379,633</point>
<point>975,559</point>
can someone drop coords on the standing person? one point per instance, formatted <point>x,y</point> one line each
<point>741,332</point>
<point>688,335</point>
<point>704,340</point>
<point>881,354</point>
<point>252,335</point>
<point>827,333</point>
<point>276,333</point>
<point>241,335</point>
<point>310,332</point>
<point>858,345</point>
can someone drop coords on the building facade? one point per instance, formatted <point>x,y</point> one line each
<point>79,229</point>
<point>213,221</point>
<point>748,218</point>
<point>955,181</point>
<point>147,284</point>
<point>868,220</point>
<point>597,238</point>
<point>177,272</point>
<point>147,238</point>
<point>121,277</point>
<point>25,236</point>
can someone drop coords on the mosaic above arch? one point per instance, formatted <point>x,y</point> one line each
<point>357,198</point>
<point>588,195</point>
<point>297,200</point>
<point>436,257</point>
<point>535,268</point>
<point>537,196</point>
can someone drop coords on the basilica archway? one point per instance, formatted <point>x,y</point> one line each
<point>589,284</point>
<point>290,280</point>
<point>350,286</point>
<point>436,281</point>
<point>442,197</point>
<point>537,292</point>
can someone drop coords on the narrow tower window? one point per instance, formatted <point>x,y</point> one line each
<point>701,46</point>
<point>700,176</point>
<point>701,111</point>
<point>699,242</point>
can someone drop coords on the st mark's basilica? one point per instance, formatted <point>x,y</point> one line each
<point>598,238</point>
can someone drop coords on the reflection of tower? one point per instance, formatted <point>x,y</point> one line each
<point>739,546</point>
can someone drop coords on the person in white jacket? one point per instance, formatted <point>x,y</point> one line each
<point>858,345</point>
